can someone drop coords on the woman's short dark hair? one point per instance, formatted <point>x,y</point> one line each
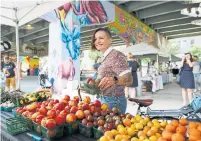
<point>106,30</point>
<point>191,57</point>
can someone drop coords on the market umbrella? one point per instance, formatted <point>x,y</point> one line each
<point>17,13</point>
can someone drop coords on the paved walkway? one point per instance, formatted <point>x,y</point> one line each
<point>168,98</point>
<point>29,83</point>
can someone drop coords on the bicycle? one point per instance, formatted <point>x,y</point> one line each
<point>185,111</point>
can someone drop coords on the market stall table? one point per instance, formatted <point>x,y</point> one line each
<point>5,136</point>
<point>167,78</point>
<point>157,82</point>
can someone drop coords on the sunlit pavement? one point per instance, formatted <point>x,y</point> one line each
<point>29,84</point>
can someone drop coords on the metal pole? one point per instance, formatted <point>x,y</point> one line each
<point>17,51</point>
<point>17,48</point>
<point>157,61</point>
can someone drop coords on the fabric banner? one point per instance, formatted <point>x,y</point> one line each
<point>130,28</point>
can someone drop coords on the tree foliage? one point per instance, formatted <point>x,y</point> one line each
<point>94,54</point>
<point>196,51</point>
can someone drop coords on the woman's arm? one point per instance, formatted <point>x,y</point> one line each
<point>182,62</point>
<point>125,80</point>
<point>191,64</point>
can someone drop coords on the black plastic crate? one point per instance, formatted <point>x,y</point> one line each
<point>29,123</point>
<point>85,131</point>
<point>52,134</point>
<point>37,128</point>
<point>71,128</point>
<point>97,133</point>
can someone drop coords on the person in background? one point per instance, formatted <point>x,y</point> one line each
<point>175,70</point>
<point>197,73</point>
<point>9,70</point>
<point>187,82</point>
<point>114,73</point>
<point>95,68</point>
<point>134,67</point>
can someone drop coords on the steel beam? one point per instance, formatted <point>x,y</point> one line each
<point>138,5</point>
<point>165,18</point>
<point>178,28</point>
<point>11,30</point>
<point>41,42</point>
<point>185,35</point>
<point>113,39</point>
<point>37,35</point>
<point>34,32</point>
<point>37,28</point>
<point>89,34</point>
<point>112,43</point>
<point>121,2</point>
<point>41,39</point>
<point>89,47</point>
<point>33,23</point>
<point>182,32</point>
<point>163,9</point>
<point>90,28</point>
<point>174,23</point>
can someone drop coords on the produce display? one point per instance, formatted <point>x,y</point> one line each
<point>53,118</point>
<point>10,96</point>
<point>8,104</point>
<point>28,98</point>
<point>37,96</point>
<point>91,86</point>
<point>137,128</point>
<point>92,89</point>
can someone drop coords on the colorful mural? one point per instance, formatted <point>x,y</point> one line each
<point>130,28</point>
<point>75,14</point>
<point>31,63</point>
<point>64,37</point>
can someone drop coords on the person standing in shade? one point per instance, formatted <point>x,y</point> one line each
<point>131,89</point>
<point>197,74</point>
<point>9,70</point>
<point>114,73</point>
<point>187,82</point>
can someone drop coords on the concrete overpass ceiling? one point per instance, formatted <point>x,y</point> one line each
<point>163,16</point>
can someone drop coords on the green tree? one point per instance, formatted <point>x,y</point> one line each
<point>196,51</point>
<point>173,48</point>
<point>170,47</point>
<point>94,54</point>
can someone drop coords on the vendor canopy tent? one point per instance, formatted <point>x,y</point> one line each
<point>26,11</point>
<point>144,50</point>
<point>19,12</point>
<point>160,58</point>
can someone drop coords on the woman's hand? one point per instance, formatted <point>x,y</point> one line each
<point>183,58</point>
<point>90,80</point>
<point>106,82</point>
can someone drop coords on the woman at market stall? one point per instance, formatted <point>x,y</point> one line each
<point>133,64</point>
<point>186,78</point>
<point>113,73</point>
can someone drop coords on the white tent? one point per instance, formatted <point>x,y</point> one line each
<point>19,12</point>
<point>142,49</point>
